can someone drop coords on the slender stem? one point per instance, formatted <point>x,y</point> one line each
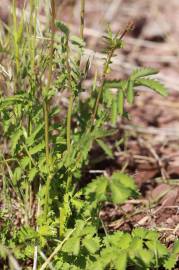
<point>104,73</point>
<point>16,46</point>
<point>49,178</point>
<point>105,69</point>
<point>70,107</point>
<point>53,16</point>
<point>82,19</point>
<point>46,106</point>
<point>69,114</point>
<point>46,120</point>
<point>71,99</point>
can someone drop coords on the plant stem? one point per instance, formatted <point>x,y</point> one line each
<point>105,70</point>
<point>82,19</point>
<point>69,114</point>
<point>70,106</point>
<point>16,46</point>
<point>46,107</point>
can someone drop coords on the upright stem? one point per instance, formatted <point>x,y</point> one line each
<point>46,106</point>
<point>16,47</point>
<point>69,114</point>
<point>104,73</point>
<point>82,18</point>
<point>105,69</point>
<point>70,106</point>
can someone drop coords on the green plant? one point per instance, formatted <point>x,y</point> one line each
<point>44,160</point>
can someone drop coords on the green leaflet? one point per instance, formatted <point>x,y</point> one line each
<point>15,139</point>
<point>142,72</point>
<point>130,92</point>
<point>11,100</point>
<point>170,262</point>
<point>30,140</point>
<point>176,247</point>
<point>65,212</point>
<point>24,162</point>
<point>16,176</point>
<point>91,244</point>
<point>62,27</point>
<point>121,84</point>
<point>120,262</point>
<point>122,187</point>
<point>77,41</point>
<point>35,149</point>
<point>97,187</point>
<point>72,246</point>
<point>114,112</point>
<point>154,85</point>
<point>120,98</point>
<point>105,148</point>
<point>124,179</point>
<point>119,192</point>
<point>32,173</point>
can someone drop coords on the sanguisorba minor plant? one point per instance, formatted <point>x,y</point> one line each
<point>46,220</point>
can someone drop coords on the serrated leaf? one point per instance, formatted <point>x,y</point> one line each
<point>37,148</point>
<point>91,244</point>
<point>157,247</point>
<point>72,246</point>
<point>15,139</point>
<point>24,162</point>
<point>32,174</point>
<point>16,175</point>
<point>124,179</point>
<point>146,256</point>
<point>119,240</point>
<point>97,188</point>
<point>107,255</point>
<point>170,262</point>
<point>142,72</point>
<point>46,230</point>
<point>31,138</point>
<point>119,193</point>
<point>176,247</point>
<point>154,85</point>
<point>121,261</point>
<point>98,265</point>
<point>89,231</point>
<point>105,148</point>
<point>11,100</point>
<point>122,186</point>
<point>139,232</point>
